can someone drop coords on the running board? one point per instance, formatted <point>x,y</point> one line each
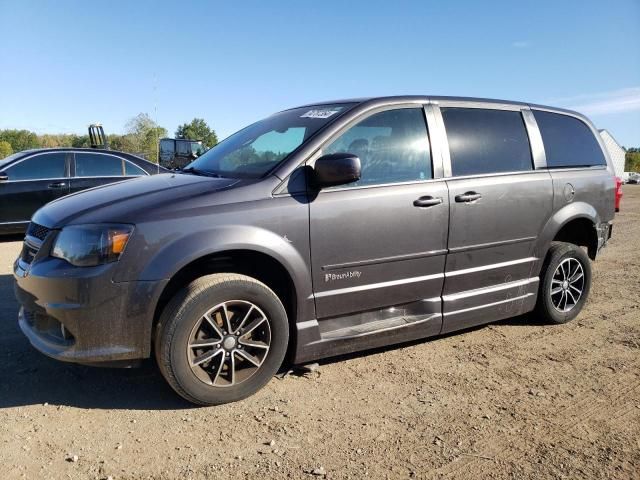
<point>363,336</point>
<point>367,328</point>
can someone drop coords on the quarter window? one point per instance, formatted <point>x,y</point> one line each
<point>393,146</point>
<point>50,165</point>
<point>568,142</point>
<point>98,165</point>
<point>132,170</point>
<point>483,141</point>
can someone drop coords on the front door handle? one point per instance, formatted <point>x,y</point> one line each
<point>427,201</point>
<point>468,197</point>
<point>58,185</point>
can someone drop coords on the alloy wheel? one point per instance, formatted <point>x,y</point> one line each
<point>229,343</point>
<point>567,285</point>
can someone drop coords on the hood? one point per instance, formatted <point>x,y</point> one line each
<point>128,201</point>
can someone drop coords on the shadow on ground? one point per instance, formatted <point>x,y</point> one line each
<point>27,377</point>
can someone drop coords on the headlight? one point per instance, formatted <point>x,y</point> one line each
<point>91,245</point>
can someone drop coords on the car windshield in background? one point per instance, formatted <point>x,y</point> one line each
<point>255,150</point>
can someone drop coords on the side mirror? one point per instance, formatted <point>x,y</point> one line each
<point>336,169</point>
<point>3,177</point>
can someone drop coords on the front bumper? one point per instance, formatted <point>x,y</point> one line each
<point>80,315</point>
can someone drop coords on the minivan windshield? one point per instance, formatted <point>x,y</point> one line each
<point>258,148</point>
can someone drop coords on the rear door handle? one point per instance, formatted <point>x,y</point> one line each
<point>468,197</point>
<point>58,185</point>
<point>427,201</point>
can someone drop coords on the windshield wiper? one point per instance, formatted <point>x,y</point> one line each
<point>204,173</point>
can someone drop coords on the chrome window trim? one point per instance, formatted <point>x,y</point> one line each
<point>529,172</point>
<point>498,174</point>
<point>443,141</point>
<point>15,222</point>
<point>380,185</point>
<point>478,104</point>
<point>535,139</point>
<point>438,153</point>
<point>36,180</point>
<point>573,169</point>
<point>67,169</point>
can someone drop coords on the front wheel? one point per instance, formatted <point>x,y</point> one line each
<point>565,285</point>
<point>221,338</point>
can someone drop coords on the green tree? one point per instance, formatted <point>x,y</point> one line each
<point>5,149</point>
<point>20,139</point>
<point>56,140</point>
<point>80,141</point>
<point>142,136</point>
<point>198,130</point>
<point>632,160</point>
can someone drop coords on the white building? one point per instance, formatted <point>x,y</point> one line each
<point>616,152</point>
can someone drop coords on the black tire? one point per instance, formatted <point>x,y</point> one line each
<point>185,311</point>
<point>546,310</point>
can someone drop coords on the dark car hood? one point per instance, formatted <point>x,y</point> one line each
<point>125,201</point>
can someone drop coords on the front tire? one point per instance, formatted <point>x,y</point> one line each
<point>221,338</point>
<point>565,285</point>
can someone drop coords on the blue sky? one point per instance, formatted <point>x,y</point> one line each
<point>66,64</point>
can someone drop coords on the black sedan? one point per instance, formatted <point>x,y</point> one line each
<point>32,178</point>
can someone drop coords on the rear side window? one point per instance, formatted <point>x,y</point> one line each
<point>48,165</point>
<point>485,141</point>
<point>98,165</point>
<point>568,142</point>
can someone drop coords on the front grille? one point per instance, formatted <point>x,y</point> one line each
<point>38,231</point>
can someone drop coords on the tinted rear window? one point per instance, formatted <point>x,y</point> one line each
<point>568,142</point>
<point>486,141</point>
<point>97,165</point>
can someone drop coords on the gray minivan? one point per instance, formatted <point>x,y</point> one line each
<point>322,230</point>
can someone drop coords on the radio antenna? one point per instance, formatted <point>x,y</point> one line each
<point>155,114</point>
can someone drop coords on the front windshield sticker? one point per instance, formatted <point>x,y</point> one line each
<point>320,113</point>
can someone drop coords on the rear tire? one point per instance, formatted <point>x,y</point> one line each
<point>221,338</point>
<point>565,283</point>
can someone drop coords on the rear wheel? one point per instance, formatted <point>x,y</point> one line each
<point>565,285</point>
<point>221,338</point>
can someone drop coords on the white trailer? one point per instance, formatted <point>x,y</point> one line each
<point>616,152</point>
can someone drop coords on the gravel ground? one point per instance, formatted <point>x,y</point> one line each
<point>511,400</point>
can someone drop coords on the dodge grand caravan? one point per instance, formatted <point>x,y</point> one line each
<point>322,230</point>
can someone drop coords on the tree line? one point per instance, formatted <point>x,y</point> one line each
<point>632,160</point>
<point>141,138</point>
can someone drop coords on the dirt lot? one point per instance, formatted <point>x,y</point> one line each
<point>512,400</point>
